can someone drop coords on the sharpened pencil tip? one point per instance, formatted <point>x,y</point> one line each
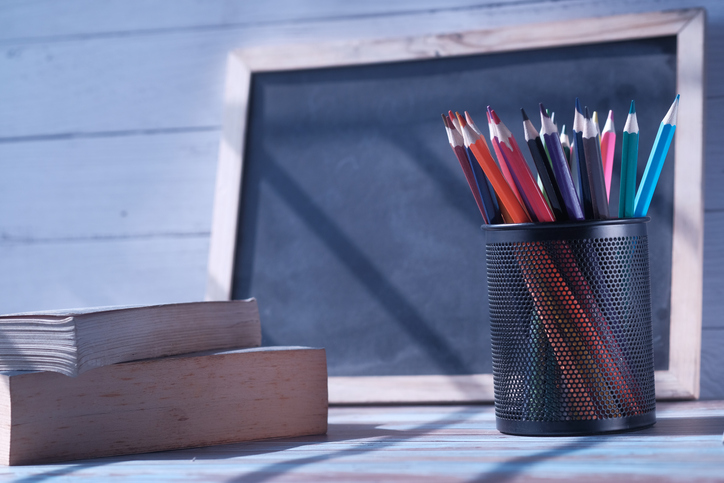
<point>578,106</point>
<point>632,109</point>
<point>563,130</point>
<point>444,120</point>
<point>585,113</point>
<point>525,116</point>
<point>542,109</point>
<point>493,115</point>
<point>610,114</point>
<point>461,119</point>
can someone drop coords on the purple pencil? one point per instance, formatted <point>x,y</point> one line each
<point>549,133</point>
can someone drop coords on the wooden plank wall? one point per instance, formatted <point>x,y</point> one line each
<point>110,117</point>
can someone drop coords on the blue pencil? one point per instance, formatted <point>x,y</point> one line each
<point>585,194</point>
<point>656,160</point>
<point>549,134</point>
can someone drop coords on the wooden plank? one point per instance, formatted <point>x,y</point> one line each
<point>688,229</point>
<point>228,179</point>
<point>72,18</point>
<point>434,444</point>
<point>108,187</point>
<point>88,273</point>
<point>151,82</point>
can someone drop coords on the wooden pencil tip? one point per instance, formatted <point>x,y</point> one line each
<point>542,109</point>
<point>610,114</point>
<point>445,121</point>
<point>632,109</point>
<point>469,118</point>
<point>578,106</point>
<point>525,116</point>
<point>494,116</point>
<point>586,114</point>
<point>461,119</point>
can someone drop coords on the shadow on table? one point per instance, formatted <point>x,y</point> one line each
<point>381,439</point>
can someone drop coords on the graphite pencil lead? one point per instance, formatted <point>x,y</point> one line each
<point>525,116</point>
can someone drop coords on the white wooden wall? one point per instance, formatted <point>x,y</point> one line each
<point>110,116</point>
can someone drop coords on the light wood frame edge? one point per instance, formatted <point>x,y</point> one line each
<point>681,380</point>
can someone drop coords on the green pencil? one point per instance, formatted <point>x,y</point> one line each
<point>629,162</point>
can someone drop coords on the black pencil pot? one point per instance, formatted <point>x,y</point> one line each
<point>570,320</point>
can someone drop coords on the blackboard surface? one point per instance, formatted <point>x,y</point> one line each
<point>357,231</point>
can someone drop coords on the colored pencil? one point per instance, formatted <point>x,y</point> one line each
<point>608,146</point>
<point>489,202</point>
<point>629,162</point>
<point>585,191</point>
<point>594,166</point>
<point>509,204</point>
<point>502,164</point>
<point>594,117</point>
<point>566,145</point>
<point>524,181</point>
<point>545,170</point>
<point>656,160</point>
<point>458,147</point>
<point>550,137</point>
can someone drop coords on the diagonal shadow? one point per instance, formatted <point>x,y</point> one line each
<point>363,268</point>
<point>512,468</point>
<point>273,470</point>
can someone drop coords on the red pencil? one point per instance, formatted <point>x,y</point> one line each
<point>456,143</point>
<point>513,157</point>
<point>503,166</point>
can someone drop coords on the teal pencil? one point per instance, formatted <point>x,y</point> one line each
<point>629,161</point>
<point>656,161</point>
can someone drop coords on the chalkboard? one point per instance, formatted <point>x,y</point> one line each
<point>356,230</point>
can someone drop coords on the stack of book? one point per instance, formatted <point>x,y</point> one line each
<point>104,382</point>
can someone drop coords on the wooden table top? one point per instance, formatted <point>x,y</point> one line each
<point>430,444</point>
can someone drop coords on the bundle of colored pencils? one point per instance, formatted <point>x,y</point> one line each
<point>573,180</point>
<point>573,184</point>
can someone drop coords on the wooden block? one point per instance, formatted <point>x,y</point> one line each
<point>162,404</point>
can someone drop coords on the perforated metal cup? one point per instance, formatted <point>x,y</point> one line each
<point>570,319</point>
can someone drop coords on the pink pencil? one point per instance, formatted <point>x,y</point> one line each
<point>608,145</point>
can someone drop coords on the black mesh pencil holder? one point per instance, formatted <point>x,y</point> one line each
<point>570,319</point>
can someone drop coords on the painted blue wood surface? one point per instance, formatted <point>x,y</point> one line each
<point>430,444</point>
<point>135,87</point>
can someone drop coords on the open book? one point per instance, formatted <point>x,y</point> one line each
<point>74,341</point>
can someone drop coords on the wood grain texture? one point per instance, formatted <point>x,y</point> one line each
<point>688,229</point>
<point>100,188</point>
<point>102,272</point>
<point>169,403</point>
<point>432,444</point>
<point>176,80</point>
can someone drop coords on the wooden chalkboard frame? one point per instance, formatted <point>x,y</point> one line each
<point>681,380</point>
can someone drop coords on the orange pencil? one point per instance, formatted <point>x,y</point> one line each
<point>509,204</point>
